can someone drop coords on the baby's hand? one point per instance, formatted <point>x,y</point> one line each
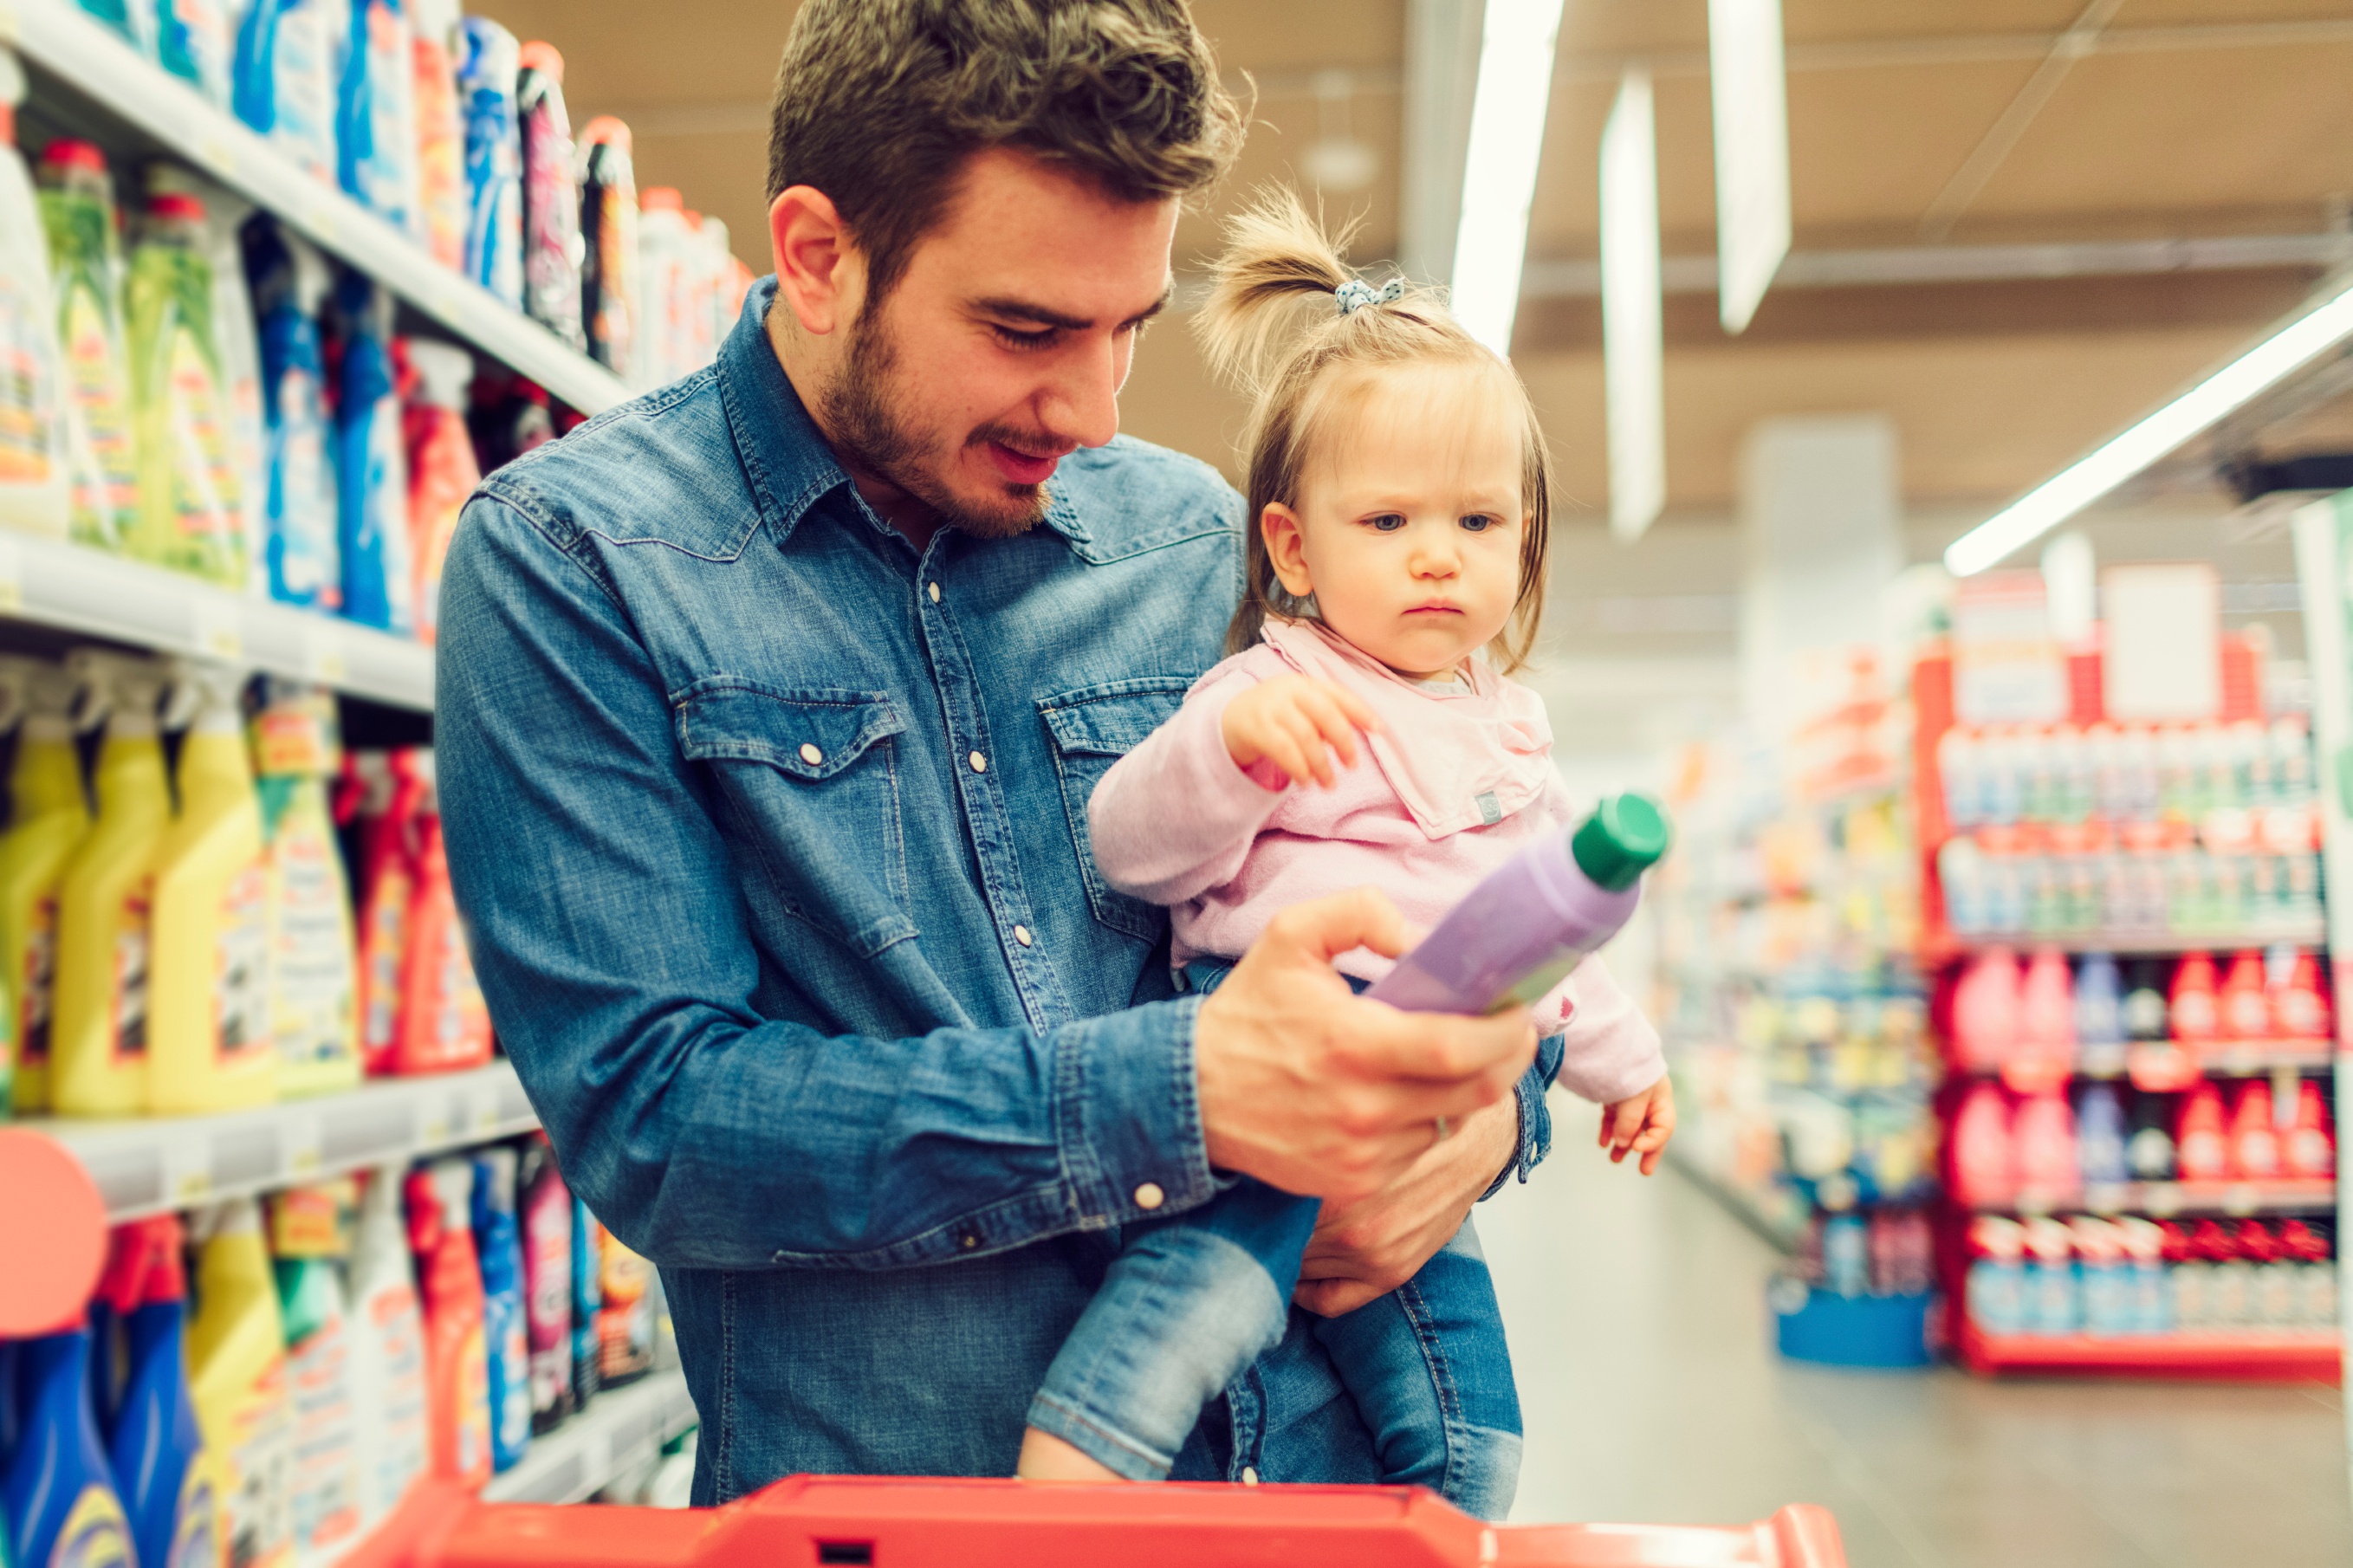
<point>1641,1125</point>
<point>1295,722</point>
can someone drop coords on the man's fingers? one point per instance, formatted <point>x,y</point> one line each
<point>1438,1048</point>
<point>1323,929</point>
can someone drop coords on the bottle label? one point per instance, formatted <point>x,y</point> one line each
<point>196,1528</point>
<point>130,1031</point>
<point>387,948</point>
<point>471,1429</point>
<point>302,544</point>
<point>311,960</point>
<point>397,1403</point>
<point>326,1474</point>
<point>257,1458</point>
<point>40,975</point>
<point>304,99</point>
<point>441,155</point>
<point>94,1535</point>
<point>241,981</point>
<point>206,520</point>
<point>462,1018</point>
<point>100,466</point>
<point>28,390</point>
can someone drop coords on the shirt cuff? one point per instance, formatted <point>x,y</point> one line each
<point>1535,1115</point>
<point>1128,1114</point>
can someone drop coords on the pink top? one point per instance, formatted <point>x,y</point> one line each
<point>1456,783</point>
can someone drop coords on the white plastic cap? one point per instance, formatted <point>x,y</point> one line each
<point>12,79</point>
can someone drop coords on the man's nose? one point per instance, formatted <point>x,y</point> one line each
<point>1081,404</point>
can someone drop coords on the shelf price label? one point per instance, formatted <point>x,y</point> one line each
<point>213,629</point>
<point>322,656</point>
<point>302,1147</point>
<point>187,1170</point>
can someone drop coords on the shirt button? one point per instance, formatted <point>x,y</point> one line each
<point>1021,935</point>
<point>1250,1474</point>
<point>1149,1197</point>
<point>936,592</point>
<point>810,754</point>
<point>979,763</point>
<point>967,1241</point>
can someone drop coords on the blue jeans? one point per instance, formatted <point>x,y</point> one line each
<point>1193,1300</point>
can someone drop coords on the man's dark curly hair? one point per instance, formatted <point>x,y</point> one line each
<point>879,102</point>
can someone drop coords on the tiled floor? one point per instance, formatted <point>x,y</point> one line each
<point>1637,1323</point>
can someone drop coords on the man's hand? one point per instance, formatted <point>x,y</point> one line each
<point>1640,1124</point>
<point>1317,1090</point>
<point>1367,1249</point>
<point>1295,722</point>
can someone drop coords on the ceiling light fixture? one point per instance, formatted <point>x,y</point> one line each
<point>1633,341</point>
<point>1499,168</point>
<point>2122,456</point>
<point>1748,87</point>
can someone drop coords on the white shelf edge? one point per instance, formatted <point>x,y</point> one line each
<point>155,1164</point>
<point>66,40</point>
<point>585,1454</point>
<point>78,588</point>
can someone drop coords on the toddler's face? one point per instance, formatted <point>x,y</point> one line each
<point>1410,519</point>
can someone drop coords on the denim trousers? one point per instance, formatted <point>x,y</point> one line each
<point>1193,1300</point>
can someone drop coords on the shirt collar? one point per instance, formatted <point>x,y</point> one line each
<point>786,457</point>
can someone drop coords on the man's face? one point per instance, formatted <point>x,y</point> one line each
<point>1003,346</point>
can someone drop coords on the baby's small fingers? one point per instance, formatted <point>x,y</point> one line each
<point>1302,728</point>
<point>1359,711</point>
<point>1651,1163</point>
<point>1333,724</point>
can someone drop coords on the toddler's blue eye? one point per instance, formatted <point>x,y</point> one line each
<point>1476,523</point>
<point>1387,521</point>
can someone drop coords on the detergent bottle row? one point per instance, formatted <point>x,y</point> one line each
<point>77,217</point>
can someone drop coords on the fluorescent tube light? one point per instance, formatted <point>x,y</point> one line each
<point>1633,341</point>
<point>2121,456</point>
<point>1499,169</point>
<point>1749,89</point>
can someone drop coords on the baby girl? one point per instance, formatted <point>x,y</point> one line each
<point>1363,732</point>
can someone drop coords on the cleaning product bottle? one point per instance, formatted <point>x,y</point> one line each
<point>506,1338</point>
<point>309,1233</point>
<point>489,61</point>
<point>2310,1147</point>
<point>236,1361</point>
<point>661,354</point>
<point>375,125</point>
<point>286,53</point>
<point>587,1303</point>
<point>2150,1151</point>
<point>442,472</point>
<point>210,1045</point>
<point>445,1026</point>
<point>389,802</point>
<point>440,1215</point>
<point>2299,1008</point>
<point>301,550</point>
<point>2053,1291</point>
<point>2152,1304</point>
<point>2043,1134</point>
<point>2100,1137</point>
<point>388,1380</point>
<point>1986,1004</point>
<point>313,956</point>
<point>2195,1014</point>
<point>196,42</point>
<point>440,131</point>
<point>2100,1015</point>
<point>36,485</point>
<point>98,1046</point>
<point>50,815</point>
<point>60,1492</point>
<point>191,511</point>
<point>608,234</point>
<point>2254,1140</point>
<point>1985,1167</point>
<point>2201,1152</point>
<point>170,1494</point>
<point>547,1283</point>
<point>379,579</point>
<point>2242,1009</point>
<point>2146,1015</point>
<point>2046,1025</point>
<point>550,197</point>
<point>77,215</point>
<point>1997,1277</point>
<point>624,1319</point>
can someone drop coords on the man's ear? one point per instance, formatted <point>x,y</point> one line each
<point>821,275</point>
<point>1286,547</point>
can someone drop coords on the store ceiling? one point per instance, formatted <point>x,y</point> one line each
<point>2185,119</point>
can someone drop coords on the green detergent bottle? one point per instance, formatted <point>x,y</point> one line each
<point>190,502</point>
<point>86,277</point>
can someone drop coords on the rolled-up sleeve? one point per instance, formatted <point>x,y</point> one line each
<point>617,952</point>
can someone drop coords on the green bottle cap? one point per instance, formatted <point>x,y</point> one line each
<point>1624,839</point>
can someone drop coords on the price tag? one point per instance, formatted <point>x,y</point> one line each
<point>215,629</point>
<point>12,571</point>
<point>322,656</point>
<point>434,1121</point>
<point>187,1170</point>
<point>483,1107</point>
<point>302,1146</point>
<point>216,152</point>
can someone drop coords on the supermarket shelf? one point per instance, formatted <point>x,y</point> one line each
<point>2297,1354</point>
<point>148,1165</point>
<point>2159,1067</point>
<point>1947,947</point>
<point>62,38</point>
<point>78,589</point>
<point>618,1430</point>
<point>2163,1200</point>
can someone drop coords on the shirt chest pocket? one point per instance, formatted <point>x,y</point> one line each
<point>1092,729</point>
<point>809,784</point>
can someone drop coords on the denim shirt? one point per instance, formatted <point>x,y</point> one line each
<point>771,837</point>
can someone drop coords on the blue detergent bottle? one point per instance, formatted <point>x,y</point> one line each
<point>158,1451</point>
<point>371,464</point>
<point>302,508</point>
<point>59,1495</point>
<point>587,1300</point>
<point>498,1241</point>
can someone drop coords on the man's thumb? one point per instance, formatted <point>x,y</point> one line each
<point>1323,929</point>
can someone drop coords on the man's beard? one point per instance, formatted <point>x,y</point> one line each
<point>871,437</point>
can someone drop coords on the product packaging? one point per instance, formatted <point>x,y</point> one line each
<point>624,1319</point>
<point>489,62</point>
<point>371,464</point>
<point>195,40</point>
<point>313,952</point>
<point>550,197</point>
<point>442,472</point>
<point>375,125</point>
<point>587,1303</point>
<point>301,553</point>
<point>77,214</point>
<point>441,133</point>
<point>286,78</point>
<point>608,236</point>
<point>445,1026</point>
<point>170,1492</point>
<point>441,1216</point>
<point>505,1334</point>
<point>547,1245</point>
<point>36,486</point>
<point>48,817</point>
<point>388,1371</point>
<point>309,1234</point>
<point>59,1494</point>
<point>236,1360</point>
<point>191,509</point>
<point>381,798</point>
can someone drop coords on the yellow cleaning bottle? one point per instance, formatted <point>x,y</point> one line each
<point>313,958</point>
<point>50,815</point>
<point>237,1380</point>
<point>97,1048</point>
<point>209,1046</point>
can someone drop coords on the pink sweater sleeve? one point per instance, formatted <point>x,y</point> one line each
<point>1175,817</point>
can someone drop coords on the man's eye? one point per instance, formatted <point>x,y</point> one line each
<point>1387,522</point>
<point>1478,522</point>
<point>1013,338</point>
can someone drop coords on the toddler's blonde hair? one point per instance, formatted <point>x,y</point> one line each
<point>1273,327</point>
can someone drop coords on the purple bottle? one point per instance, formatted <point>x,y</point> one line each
<point>1530,923</point>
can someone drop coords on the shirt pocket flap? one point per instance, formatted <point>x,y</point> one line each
<point>1111,721</point>
<point>809,734</point>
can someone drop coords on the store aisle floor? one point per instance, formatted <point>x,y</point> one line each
<point>1649,1395</point>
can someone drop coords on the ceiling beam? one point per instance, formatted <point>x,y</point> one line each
<point>1441,80</point>
<point>2011,125</point>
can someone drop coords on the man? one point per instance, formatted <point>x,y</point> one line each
<point>769,707</point>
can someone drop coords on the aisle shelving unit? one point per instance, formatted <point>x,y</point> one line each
<point>619,1430</point>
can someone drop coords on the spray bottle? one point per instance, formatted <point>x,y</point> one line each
<point>371,464</point>
<point>77,214</point>
<point>236,1358</point>
<point>301,550</point>
<point>445,1024</point>
<point>49,816</point>
<point>191,509</point>
<point>442,469</point>
<point>440,1215</point>
<point>35,482</point>
<point>388,1352</point>
<point>313,961</point>
<point>211,1046</point>
<point>98,1045</point>
<point>169,1490</point>
<point>388,797</point>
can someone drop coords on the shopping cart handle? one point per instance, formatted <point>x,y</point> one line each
<point>809,1521</point>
